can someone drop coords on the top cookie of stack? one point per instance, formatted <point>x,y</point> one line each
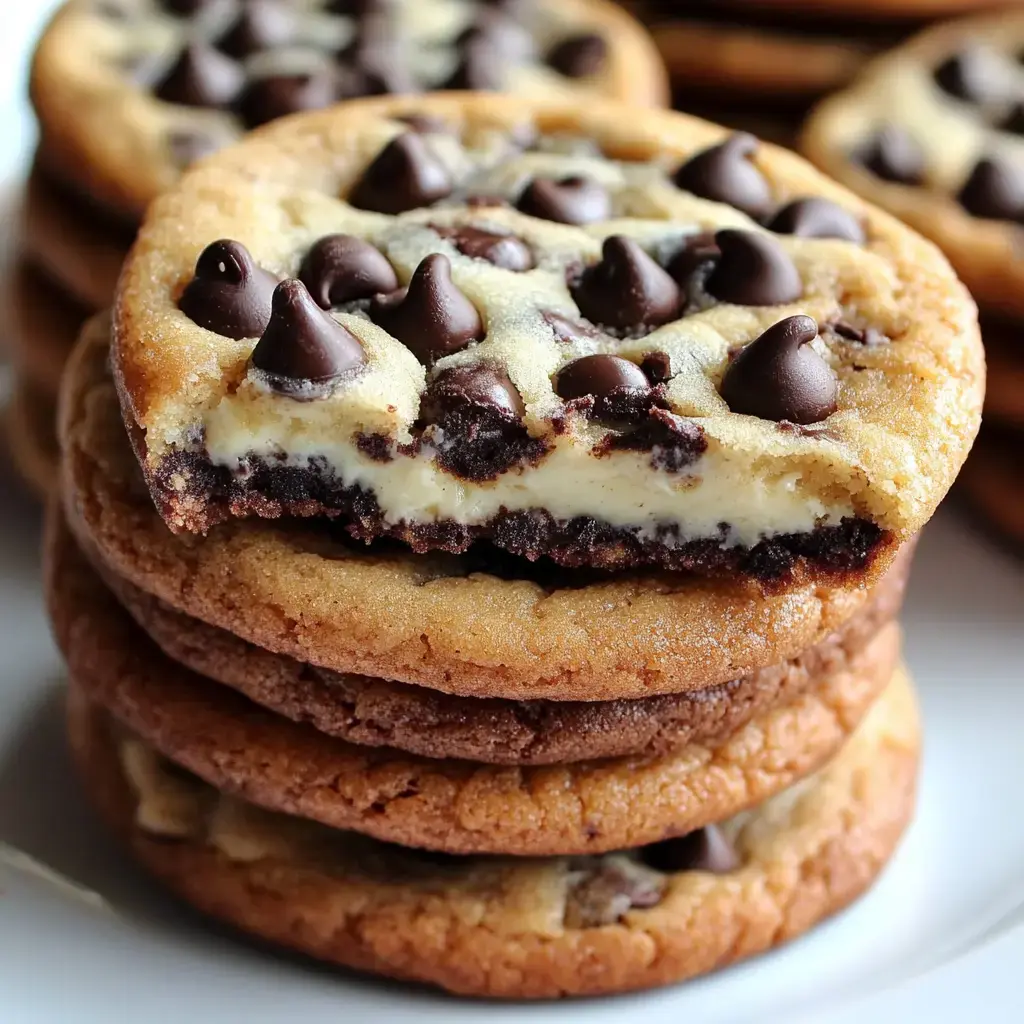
<point>626,340</point>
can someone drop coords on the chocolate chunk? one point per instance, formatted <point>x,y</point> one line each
<point>569,331</point>
<point>894,155</point>
<point>481,67</point>
<point>572,200</point>
<point>675,443</point>
<point>707,849</point>
<point>618,387</point>
<point>431,317</point>
<point>403,176</point>
<point>343,268</point>
<point>866,336</point>
<point>815,217</point>
<point>974,75</point>
<point>273,96</point>
<point>579,56</point>
<point>189,145</point>
<point>480,388</point>
<point>603,894</point>
<point>303,345</point>
<point>506,251</point>
<point>627,289</point>
<point>994,189</point>
<point>260,25</point>
<point>657,367</point>
<point>753,270</point>
<point>778,376</point>
<point>725,174</point>
<point>229,294</point>
<point>201,77</point>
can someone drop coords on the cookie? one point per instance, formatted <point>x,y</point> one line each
<point>417,720</point>
<point>477,625</point>
<point>453,806</point>
<point>1004,353</point>
<point>932,132</point>
<point>129,92</point>
<point>79,246</point>
<point>993,481</point>
<point>517,928</point>
<point>29,421</point>
<point>42,324</point>
<point>767,407</point>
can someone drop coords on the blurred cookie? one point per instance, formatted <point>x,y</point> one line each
<point>993,481</point>
<point>31,437</point>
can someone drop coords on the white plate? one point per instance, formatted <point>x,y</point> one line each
<point>940,937</point>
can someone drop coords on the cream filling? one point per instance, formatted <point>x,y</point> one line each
<point>621,489</point>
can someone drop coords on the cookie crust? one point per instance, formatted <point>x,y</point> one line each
<point>452,806</point>
<point>807,855</point>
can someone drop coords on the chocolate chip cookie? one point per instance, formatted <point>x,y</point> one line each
<point>130,92</point>
<point>510,927</point>
<point>932,131</point>
<point>448,805</point>
<point>627,341</point>
<point>482,624</point>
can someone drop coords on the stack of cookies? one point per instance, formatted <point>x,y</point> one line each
<point>483,534</point>
<point>935,132</point>
<point>128,93</point>
<point>758,64</point>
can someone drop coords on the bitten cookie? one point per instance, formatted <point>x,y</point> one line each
<point>517,928</point>
<point>631,340</point>
<point>478,625</point>
<point>933,132</point>
<point>453,806</point>
<point>130,92</point>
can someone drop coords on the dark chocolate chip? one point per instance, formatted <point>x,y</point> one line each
<point>692,265</point>
<point>618,387</point>
<point>403,176</point>
<point>707,849</point>
<point>974,75</point>
<point>479,387</point>
<point>604,894</point>
<point>726,174</point>
<point>994,190</point>
<point>1013,122</point>
<point>627,289</point>
<point>260,25</point>
<point>815,217</point>
<point>866,336</point>
<point>431,317</point>
<point>303,345</point>
<point>569,331</point>
<point>187,145</point>
<point>201,77</point>
<point>657,367</point>
<point>894,155</point>
<point>343,268</point>
<point>753,270</point>
<point>273,96</point>
<point>229,294</point>
<point>572,200</point>
<point>480,68</point>
<point>579,56</point>
<point>778,376</point>
<point>506,251</point>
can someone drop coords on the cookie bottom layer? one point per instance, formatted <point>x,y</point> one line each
<point>499,927</point>
<point>31,438</point>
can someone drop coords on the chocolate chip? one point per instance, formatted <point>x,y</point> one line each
<point>675,443</point>
<point>974,74</point>
<point>866,336</point>
<point>506,251</point>
<point>377,65</point>
<point>725,174</point>
<point>302,345</point>
<point>1013,122</point>
<point>815,217</point>
<point>603,894</point>
<point>343,268</point>
<point>618,387</point>
<point>893,155</point>
<point>691,267</point>
<point>431,317</point>
<point>753,270</point>
<point>201,77</point>
<point>229,294</point>
<point>569,331</point>
<point>707,849</point>
<point>778,376</point>
<point>273,96</point>
<point>189,145</point>
<point>481,67</point>
<point>994,190</point>
<point>627,289</point>
<point>403,176</point>
<point>260,25</point>
<point>475,388</point>
<point>572,200</point>
<point>657,367</point>
<point>579,56</point>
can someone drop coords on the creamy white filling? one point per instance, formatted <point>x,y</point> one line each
<point>622,488</point>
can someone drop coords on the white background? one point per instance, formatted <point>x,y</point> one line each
<point>941,938</point>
